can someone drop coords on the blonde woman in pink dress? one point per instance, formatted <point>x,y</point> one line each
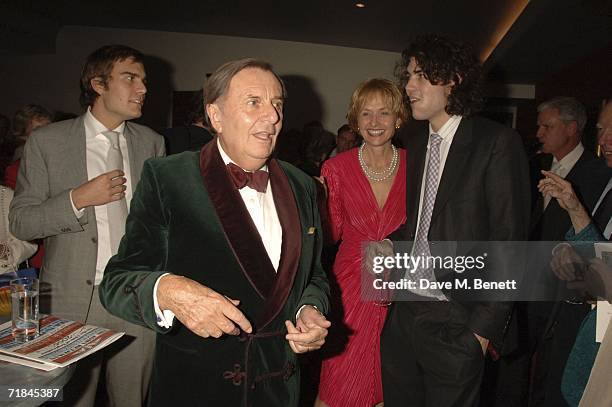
<point>366,202</point>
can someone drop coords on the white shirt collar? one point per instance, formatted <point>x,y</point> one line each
<point>93,126</point>
<point>226,158</point>
<point>448,129</point>
<point>570,158</point>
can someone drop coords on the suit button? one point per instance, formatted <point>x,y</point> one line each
<point>89,282</point>
<point>94,240</point>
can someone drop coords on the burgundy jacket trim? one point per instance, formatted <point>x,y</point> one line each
<point>240,231</point>
<point>286,207</point>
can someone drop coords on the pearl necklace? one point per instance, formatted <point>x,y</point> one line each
<point>378,176</point>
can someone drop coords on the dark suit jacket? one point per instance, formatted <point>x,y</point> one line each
<point>187,218</point>
<point>483,195</point>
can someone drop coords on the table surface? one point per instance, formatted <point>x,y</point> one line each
<point>13,375</point>
<point>17,376</point>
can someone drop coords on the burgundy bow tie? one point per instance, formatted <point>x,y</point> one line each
<point>257,180</point>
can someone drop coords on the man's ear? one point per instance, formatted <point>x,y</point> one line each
<point>452,83</point>
<point>448,88</point>
<point>97,85</point>
<point>214,114</point>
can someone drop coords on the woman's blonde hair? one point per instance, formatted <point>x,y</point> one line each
<point>386,89</point>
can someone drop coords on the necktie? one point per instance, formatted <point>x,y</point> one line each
<point>257,180</point>
<point>601,217</point>
<point>117,210</point>
<point>421,245</point>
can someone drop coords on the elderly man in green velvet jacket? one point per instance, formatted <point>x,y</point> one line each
<point>222,254</point>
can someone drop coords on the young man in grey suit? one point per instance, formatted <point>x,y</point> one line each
<point>74,186</point>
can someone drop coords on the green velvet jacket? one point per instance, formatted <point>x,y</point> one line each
<point>187,218</point>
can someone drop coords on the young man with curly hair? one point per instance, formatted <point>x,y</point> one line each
<point>467,181</point>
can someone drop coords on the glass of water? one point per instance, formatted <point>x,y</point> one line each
<point>24,308</point>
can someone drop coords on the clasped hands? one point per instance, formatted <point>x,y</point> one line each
<point>579,275</point>
<point>208,313</point>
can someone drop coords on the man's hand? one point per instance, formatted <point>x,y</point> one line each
<point>309,332</point>
<point>559,188</point>
<point>580,276</point>
<point>484,343</point>
<point>566,264</point>
<point>101,190</point>
<point>202,310</point>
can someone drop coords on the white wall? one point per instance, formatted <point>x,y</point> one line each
<point>180,62</point>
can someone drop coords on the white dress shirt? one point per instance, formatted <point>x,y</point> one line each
<point>97,147</point>
<point>260,206</point>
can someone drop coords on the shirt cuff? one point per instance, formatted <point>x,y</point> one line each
<point>165,318</point>
<point>78,213</point>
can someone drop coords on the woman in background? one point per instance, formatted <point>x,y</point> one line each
<point>27,119</point>
<point>13,251</point>
<point>366,202</point>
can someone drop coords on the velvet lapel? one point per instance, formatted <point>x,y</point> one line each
<point>457,158</point>
<point>286,207</point>
<point>240,231</point>
<point>415,170</point>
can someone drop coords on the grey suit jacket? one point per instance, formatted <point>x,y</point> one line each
<point>53,163</point>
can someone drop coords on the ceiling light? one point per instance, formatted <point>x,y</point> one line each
<point>359,4</point>
<point>511,16</point>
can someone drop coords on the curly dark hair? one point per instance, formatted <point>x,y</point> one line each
<point>443,60</point>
